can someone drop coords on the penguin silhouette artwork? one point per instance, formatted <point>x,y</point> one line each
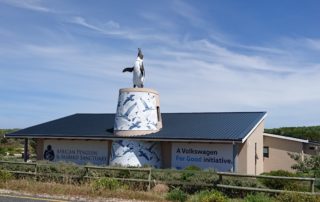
<point>49,153</point>
<point>138,71</point>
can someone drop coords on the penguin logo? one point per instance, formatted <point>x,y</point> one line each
<point>49,154</point>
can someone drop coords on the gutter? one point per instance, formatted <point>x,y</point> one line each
<point>130,138</point>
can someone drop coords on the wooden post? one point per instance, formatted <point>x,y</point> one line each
<point>220,178</point>
<point>149,180</point>
<point>86,172</point>
<point>312,186</point>
<point>35,171</point>
<point>25,156</point>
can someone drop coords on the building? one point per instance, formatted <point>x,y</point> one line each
<point>234,140</point>
<point>138,134</point>
<point>277,148</point>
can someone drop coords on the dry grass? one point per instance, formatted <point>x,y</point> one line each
<point>82,190</point>
<point>160,188</point>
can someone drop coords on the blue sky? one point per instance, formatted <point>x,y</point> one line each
<point>62,57</point>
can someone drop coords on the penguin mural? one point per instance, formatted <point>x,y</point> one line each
<point>138,71</point>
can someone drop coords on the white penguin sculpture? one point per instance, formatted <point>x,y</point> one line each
<point>138,71</point>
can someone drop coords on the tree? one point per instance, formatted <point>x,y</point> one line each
<point>307,164</point>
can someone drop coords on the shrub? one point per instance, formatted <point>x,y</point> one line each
<point>280,183</point>
<point>3,151</point>
<point>186,175</point>
<point>177,195</point>
<point>258,197</point>
<point>106,183</point>
<point>208,196</point>
<point>317,184</point>
<point>296,197</point>
<point>5,176</point>
<point>160,188</point>
<point>242,182</point>
<point>192,167</point>
<point>124,174</point>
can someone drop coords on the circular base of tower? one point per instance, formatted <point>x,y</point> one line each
<point>130,153</point>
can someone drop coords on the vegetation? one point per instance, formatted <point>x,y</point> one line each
<point>69,179</point>
<point>106,183</point>
<point>5,176</point>
<point>66,172</point>
<point>311,133</point>
<point>309,165</point>
<point>82,190</point>
<point>208,196</point>
<point>9,147</point>
<point>282,184</point>
<point>258,197</point>
<point>296,197</point>
<point>12,148</point>
<point>177,195</point>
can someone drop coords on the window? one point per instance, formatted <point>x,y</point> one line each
<point>266,152</point>
<point>158,114</point>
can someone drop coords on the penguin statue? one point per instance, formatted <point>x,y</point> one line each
<point>138,71</point>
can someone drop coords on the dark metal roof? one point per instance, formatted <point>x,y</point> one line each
<point>223,126</point>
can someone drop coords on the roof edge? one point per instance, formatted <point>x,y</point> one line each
<point>286,137</point>
<point>132,138</point>
<point>254,128</point>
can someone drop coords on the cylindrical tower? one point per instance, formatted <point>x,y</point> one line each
<point>138,114</point>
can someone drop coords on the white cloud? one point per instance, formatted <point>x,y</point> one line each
<point>209,73</point>
<point>112,24</point>
<point>195,75</point>
<point>313,43</point>
<point>35,5</point>
<point>187,12</point>
<point>113,30</point>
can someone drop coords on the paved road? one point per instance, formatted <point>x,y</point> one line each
<point>15,198</point>
<point>12,197</point>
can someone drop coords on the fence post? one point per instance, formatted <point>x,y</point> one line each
<point>220,178</point>
<point>312,186</point>
<point>35,171</point>
<point>149,180</point>
<point>86,172</point>
<point>25,150</point>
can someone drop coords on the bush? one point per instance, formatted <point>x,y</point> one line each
<point>296,197</point>
<point>258,197</point>
<point>208,196</point>
<point>192,167</point>
<point>3,151</point>
<point>160,188</point>
<point>5,176</point>
<point>241,182</point>
<point>177,195</point>
<point>186,176</point>
<point>106,183</point>
<point>280,183</point>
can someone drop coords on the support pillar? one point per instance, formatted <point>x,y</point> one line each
<point>25,153</point>
<point>235,157</point>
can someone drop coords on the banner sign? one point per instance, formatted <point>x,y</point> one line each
<point>203,155</point>
<point>76,151</point>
